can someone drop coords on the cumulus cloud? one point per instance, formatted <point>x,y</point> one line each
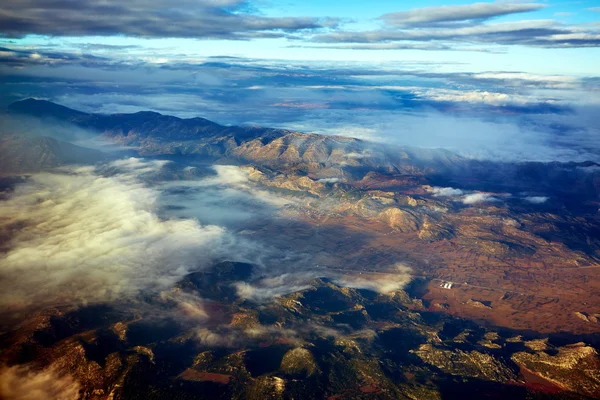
<point>77,237</point>
<point>476,198</point>
<point>24,383</point>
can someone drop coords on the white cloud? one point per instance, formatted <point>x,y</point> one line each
<point>189,306</point>
<point>138,165</point>
<point>330,180</point>
<point>273,287</point>
<point>483,97</point>
<point>85,238</point>
<point>445,191</point>
<point>521,78</point>
<point>380,282</point>
<point>228,198</point>
<point>475,198</point>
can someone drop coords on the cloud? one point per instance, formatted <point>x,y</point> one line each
<point>482,97</point>
<point>466,197</point>
<point>224,336</point>
<point>267,289</point>
<point>518,79</point>
<point>536,199</point>
<point>592,169</point>
<point>476,198</point>
<point>228,198</point>
<point>476,11</point>
<point>201,19</point>
<point>329,180</point>
<point>84,237</point>
<point>380,282</point>
<point>445,191</point>
<point>210,338</point>
<point>481,135</point>
<point>24,383</point>
<point>535,33</point>
<point>189,306</point>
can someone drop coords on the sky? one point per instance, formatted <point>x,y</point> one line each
<point>508,71</point>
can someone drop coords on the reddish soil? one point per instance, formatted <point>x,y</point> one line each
<point>540,291</point>
<point>538,383</point>
<point>203,376</point>
<point>370,389</point>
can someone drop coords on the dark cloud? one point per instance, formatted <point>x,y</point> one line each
<point>203,19</point>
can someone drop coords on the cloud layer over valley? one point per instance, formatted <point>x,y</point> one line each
<point>77,237</point>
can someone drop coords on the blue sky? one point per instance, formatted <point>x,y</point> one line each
<point>356,16</point>
<point>521,72</point>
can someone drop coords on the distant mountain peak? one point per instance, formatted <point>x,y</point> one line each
<point>43,108</point>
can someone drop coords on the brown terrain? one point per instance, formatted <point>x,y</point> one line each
<point>502,272</point>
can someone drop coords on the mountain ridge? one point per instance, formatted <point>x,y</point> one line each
<point>320,156</point>
<point>156,134</point>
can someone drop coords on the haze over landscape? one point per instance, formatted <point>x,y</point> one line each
<point>205,199</point>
